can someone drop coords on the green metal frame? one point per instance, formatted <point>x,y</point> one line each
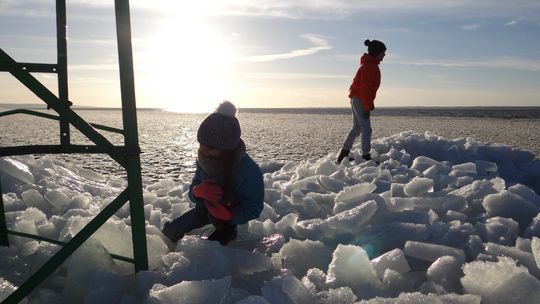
<point>128,155</point>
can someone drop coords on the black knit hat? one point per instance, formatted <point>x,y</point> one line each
<point>220,130</point>
<point>375,47</point>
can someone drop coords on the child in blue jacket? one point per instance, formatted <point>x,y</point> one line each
<point>227,188</point>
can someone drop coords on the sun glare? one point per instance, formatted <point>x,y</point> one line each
<point>191,62</point>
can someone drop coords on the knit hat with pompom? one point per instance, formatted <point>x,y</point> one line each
<point>220,130</point>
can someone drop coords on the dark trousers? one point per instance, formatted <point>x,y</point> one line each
<point>196,218</point>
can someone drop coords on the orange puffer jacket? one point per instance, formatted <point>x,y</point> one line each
<point>366,82</point>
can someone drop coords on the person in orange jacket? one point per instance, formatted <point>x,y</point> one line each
<point>362,93</point>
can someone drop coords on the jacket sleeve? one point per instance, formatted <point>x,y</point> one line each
<point>249,195</point>
<point>197,179</point>
<point>371,80</point>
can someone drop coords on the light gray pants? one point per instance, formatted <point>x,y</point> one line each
<point>361,125</point>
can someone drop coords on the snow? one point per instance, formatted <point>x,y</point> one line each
<point>501,282</point>
<point>437,221</point>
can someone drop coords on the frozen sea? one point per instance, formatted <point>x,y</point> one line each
<point>169,146</point>
<point>449,215</point>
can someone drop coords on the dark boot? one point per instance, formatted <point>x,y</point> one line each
<point>223,235</point>
<point>366,157</point>
<point>171,233</point>
<point>342,155</point>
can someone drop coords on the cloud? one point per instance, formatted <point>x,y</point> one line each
<point>469,27</point>
<point>511,23</point>
<point>502,62</point>
<point>293,76</point>
<point>319,44</point>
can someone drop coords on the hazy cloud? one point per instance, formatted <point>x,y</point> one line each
<point>319,44</point>
<point>506,62</point>
<point>511,23</point>
<point>469,27</point>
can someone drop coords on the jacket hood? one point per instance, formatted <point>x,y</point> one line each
<point>367,58</point>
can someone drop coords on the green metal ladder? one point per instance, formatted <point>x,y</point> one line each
<point>128,155</point>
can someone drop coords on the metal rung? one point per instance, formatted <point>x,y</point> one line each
<point>57,242</point>
<point>30,67</point>
<point>55,117</point>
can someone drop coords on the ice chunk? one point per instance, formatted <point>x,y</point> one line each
<point>407,216</point>
<point>384,237</point>
<point>210,260</point>
<point>508,204</point>
<point>500,282</point>
<point>310,183</point>
<point>464,169</point>
<point>431,252</point>
<point>342,295</point>
<point>326,167</point>
<point>535,248</point>
<point>435,170</point>
<point>417,297</point>
<point>16,169</point>
<point>524,244</point>
<point>191,292</point>
<point>295,255</point>
<point>499,230</point>
<point>352,193</point>
<point>33,198</point>
<point>421,163</point>
<point>331,184</point>
<point>526,193</point>
<point>91,175</point>
<point>6,288</point>
<point>341,206</point>
<point>80,201</point>
<point>534,228</point>
<point>394,259</point>
<point>475,192</point>
<point>351,266</point>
<point>91,256</point>
<point>524,258</point>
<point>418,186</point>
<point>446,271</point>
<point>349,221</point>
<point>253,300</point>
<point>58,199</point>
<point>286,289</point>
<point>394,283</point>
<point>440,204</point>
<point>315,280</point>
<point>485,168</point>
<point>452,215</point>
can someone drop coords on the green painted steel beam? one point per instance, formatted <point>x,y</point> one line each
<point>56,242</point>
<point>55,117</point>
<point>129,117</point>
<point>62,109</point>
<point>30,67</point>
<point>60,257</point>
<point>4,240</point>
<point>59,149</point>
<point>61,58</point>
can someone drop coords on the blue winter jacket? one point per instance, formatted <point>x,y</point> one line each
<point>248,193</point>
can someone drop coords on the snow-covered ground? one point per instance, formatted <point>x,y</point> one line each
<point>437,221</point>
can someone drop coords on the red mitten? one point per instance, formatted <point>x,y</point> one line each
<point>218,210</point>
<point>208,190</point>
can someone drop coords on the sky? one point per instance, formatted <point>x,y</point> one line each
<point>189,56</point>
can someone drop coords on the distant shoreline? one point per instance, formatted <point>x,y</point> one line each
<point>515,112</point>
<point>253,110</point>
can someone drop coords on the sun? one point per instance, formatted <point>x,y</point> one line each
<point>190,65</point>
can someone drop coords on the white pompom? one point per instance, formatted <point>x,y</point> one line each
<point>227,108</point>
